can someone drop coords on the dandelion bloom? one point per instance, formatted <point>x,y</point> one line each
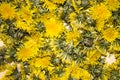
<point>112,4</point>
<point>53,27</point>
<point>28,51</point>
<point>100,12</point>
<point>7,11</point>
<point>110,34</point>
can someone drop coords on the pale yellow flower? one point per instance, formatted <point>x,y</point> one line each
<point>110,59</point>
<point>2,74</point>
<point>1,43</point>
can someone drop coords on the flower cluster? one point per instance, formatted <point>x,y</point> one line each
<point>59,39</point>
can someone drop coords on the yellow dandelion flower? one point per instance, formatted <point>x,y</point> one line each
<point>37,38</point>
<point>74,70</point>
<point>112,4</point>
<point>100,12</point>
<point>41,62</point>
<point>110,34</point>
<point>115,46</point>
<point>77,72</point>
<point>72,37</point>
<point>7,11</point>
<point>28,51</point>
<point>49,5</point>
<point>24,54</point>
<point>58,1</point>
<point>53,27</point>
<point>93,56</point>
<point>85,75</point>
<point>24,26</point>
<point>26,14</point>
<point>46,16</point>
<point>35,72</point>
